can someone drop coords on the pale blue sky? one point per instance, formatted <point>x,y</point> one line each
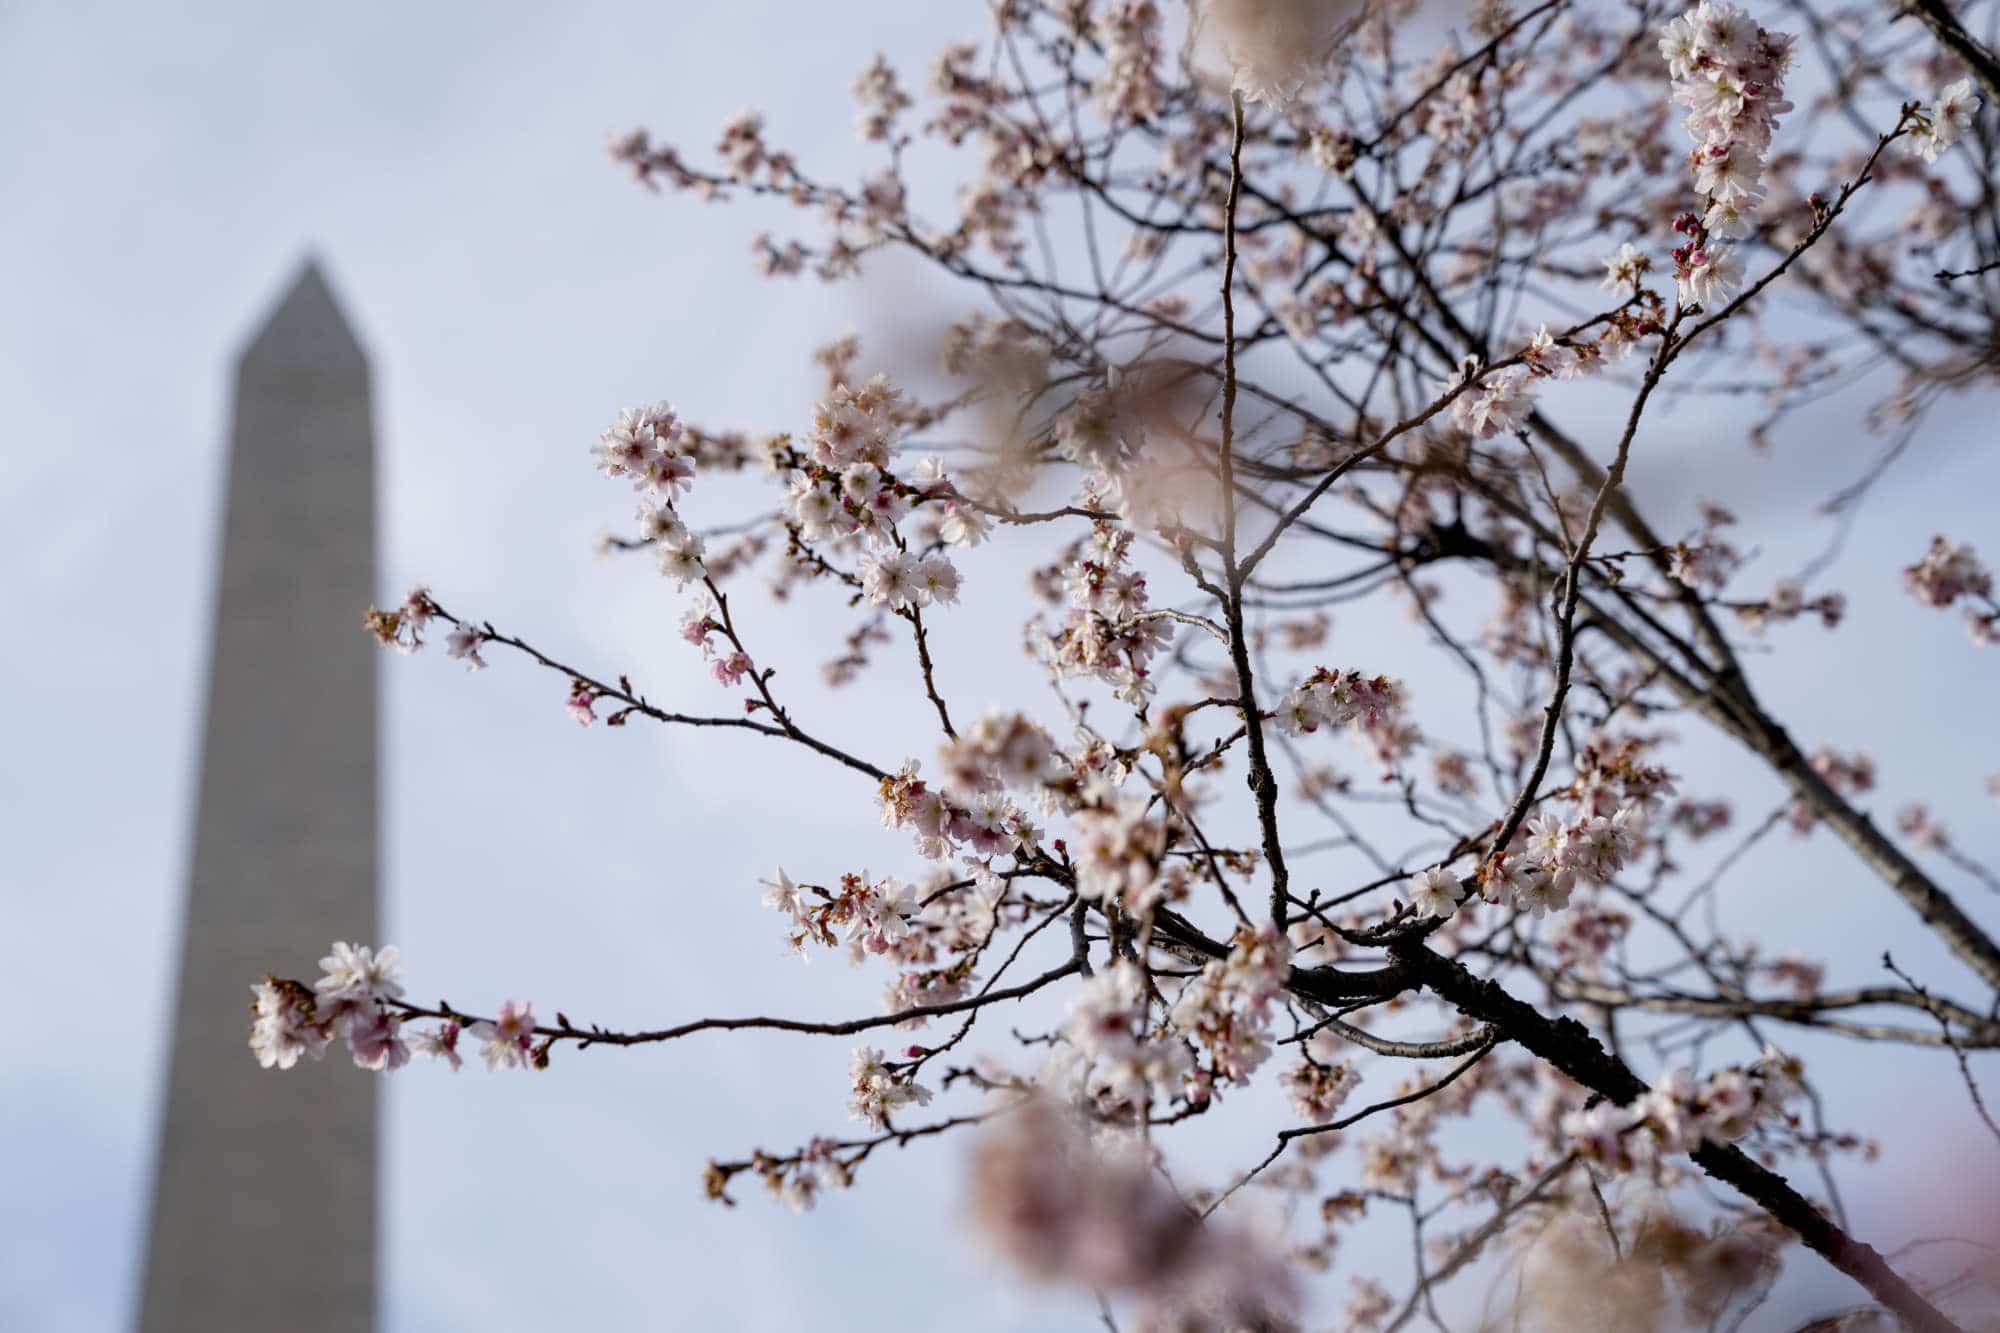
<point>164,170</point>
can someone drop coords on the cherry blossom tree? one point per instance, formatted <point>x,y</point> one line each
<point>1266,308</point>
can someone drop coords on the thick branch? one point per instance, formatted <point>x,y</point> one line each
<point>1945,27</point>
<point>1569,1046</point>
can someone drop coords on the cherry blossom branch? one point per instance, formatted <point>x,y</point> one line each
<point>1442,1049</point>
<point>1179,617</point>
<point>717,1175</point>
<point>762,683</point>
<point>1734,709</point>
<point>1470,1247</point>
<point>636,703</point>
<point>1981,1032</point>
<point>1823,219</point>
<point>1947,276</point>
<point>1414,223</point>
<point>1950,1039</point>
<point>916,619</point>
<point>1568,1045</point>
<point>1572,586</point>
<point>1488,1038</point>
<point>599,1036</point>
<point>1435,86</point>
<point>1262,782</point>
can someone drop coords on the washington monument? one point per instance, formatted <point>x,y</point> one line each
<point>263,1213</point>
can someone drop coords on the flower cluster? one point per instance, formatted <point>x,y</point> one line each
<point>1226,1009</point>
<point>353,1000</point>
<point>1321,1082</point>
<point>1950,571</point>
<point>506,1041</point>
<point>986,825</point>
<point>650,447</point>
<point>1787,601</point>
<point>646,446</point>
<point>1585,934</point>
<point>1704,559</point>
<point>1062,1208</point>
<point>879,1088</point>
<point>1129,32</point>
<point>1497,404</point>
<point>844,491</point>
<point>403,628</point>
<point>1944,121</point>
<point>797,1180</point>
<point>1435,892</point>
<point>1563,854</point>
<point>1105,632</point>
<point>1502,401</point>
<point>1339,699</point>
<point>1124,1068</point>
<point>741,145</point>
<point>870,916</point>
<point>900,580</point>
<point>346,1003</point>
<point>1373,706</point>
<point>882,99</point>
<point>285,1024</point>
<point>1120,848</point>
<point>1460,112</point>
<point>463,643</point>
<point>1729,73</point>
<point>1612,775</point>
<point>1947,573</point>
<point>1097,433</point>
<point>1392,1160</point>
<point>1548,356</point>
<point>1613,796</point>
<point>1626,270</point>
<point>1678,1114</point>
<point>1000,751</point>
<point>355,981</point>
<point>934,932</point>
<point>700,624</point>
<point>1570,1278</point>
<point>1915,822</point>
<point>1275,49</point>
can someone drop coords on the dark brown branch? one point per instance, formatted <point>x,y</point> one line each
<point>1944,25</point>
<point>1262,781</point>
<point>1569,1046</point>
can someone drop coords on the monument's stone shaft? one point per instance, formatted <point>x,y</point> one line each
<point>264,1201</point>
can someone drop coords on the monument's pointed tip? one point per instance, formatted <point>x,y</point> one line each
<point>311,271</point>
<point>306,329</point>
